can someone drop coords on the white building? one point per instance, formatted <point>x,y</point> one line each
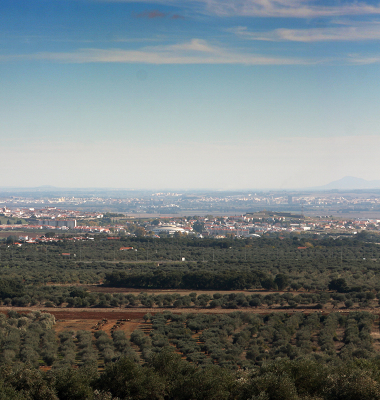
<point>60,223</point>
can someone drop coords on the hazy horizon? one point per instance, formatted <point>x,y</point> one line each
<point>345,183</point>
<point>189,94</point>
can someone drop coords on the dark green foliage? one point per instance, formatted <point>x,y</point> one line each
<point>282,281</point>
<point>126,379</point>
<point>340,285</point>
<point>235,355</point>
<point>166,376</point>
<point>212,264</point>
<point>198,226</point>
<point>228,356</point>
<point>245,340</point>
<point>185,280</point>
<point>10,288</point>
<point>27,384</point>
<point>73,384</point>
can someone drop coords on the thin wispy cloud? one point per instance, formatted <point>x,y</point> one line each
<point>177,16</point>
<point>151,14</point>
<point>289,8</point>
<point>271,8</point>
<point>357,59</point>
<point>195,45</point>
<point>196,51</point>
<point>369,31</point>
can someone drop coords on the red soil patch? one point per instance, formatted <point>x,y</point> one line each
<point>88,324</point>
<point>72,320</point>
<point>96,315</point>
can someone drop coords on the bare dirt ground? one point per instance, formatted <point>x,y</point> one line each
<point>160,262</point>
<point>98,288</point>
<point>83,319</point>
<point>139,312</point>
<point>69,323</point>
<point>183,292</point>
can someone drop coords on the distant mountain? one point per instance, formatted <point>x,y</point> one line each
<point>350,183</point>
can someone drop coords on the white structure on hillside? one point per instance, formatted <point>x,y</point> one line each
<point>169,229</point>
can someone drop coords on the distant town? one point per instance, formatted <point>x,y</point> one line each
<point>163,214</point>
<point>183,203</point>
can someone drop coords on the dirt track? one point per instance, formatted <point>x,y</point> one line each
<point>139,312</point>
<point>182,292</point>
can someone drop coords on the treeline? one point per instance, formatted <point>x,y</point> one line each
<point>214,280</point>
<point>79,298</point>
<point>205,280</point>
<point>16,293</point>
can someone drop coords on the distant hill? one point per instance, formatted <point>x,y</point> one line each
<point>350,183</point>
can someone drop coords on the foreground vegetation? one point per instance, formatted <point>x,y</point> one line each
<point>166,376</point>
<point>185,356</point>
<point>174,355</point>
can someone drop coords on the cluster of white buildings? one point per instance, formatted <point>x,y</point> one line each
<point>47,213</point>
<point>248,225</point>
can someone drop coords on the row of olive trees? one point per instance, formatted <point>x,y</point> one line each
<point>27,338</point>
<point>240,340</point>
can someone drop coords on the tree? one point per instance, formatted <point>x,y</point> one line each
<point>147,317</point>
<point>30,383</point>
<point>11,239</point>
<point>211,383</point>
<point>268,283</point>
<point>340,285</point>
<point>140,231</point>
<point>198,226</point>
<point>128,380</point>
<point>74,384</point>
<point>282,281</point>
<point>255,302</point>
<point>348,303</point>
<point>10,288</point>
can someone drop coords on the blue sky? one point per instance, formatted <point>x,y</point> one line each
<point>184,94</point>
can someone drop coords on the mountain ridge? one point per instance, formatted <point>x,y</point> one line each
<point>350,183</point>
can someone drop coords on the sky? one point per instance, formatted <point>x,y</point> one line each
<point>182,94</point>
